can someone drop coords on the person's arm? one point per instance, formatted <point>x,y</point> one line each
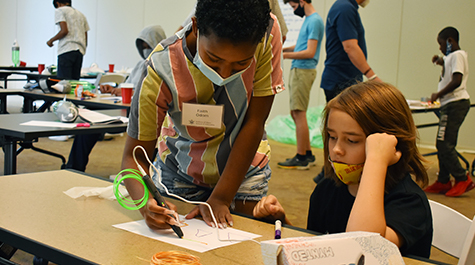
<point>358,58</point>
<point>61,34</point>
<point>240,158</point>
<point>305,54</point>
<point>367,213</point>
<point>155,217</point>
<point>451,86</point>
<point>288,49</point>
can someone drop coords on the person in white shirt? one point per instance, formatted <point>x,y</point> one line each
<point>454,106</point>
<point>72,38</point>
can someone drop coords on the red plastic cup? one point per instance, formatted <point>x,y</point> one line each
<point>41,67</point>
<point>22,63</point>
<point>111,68</point>
<point>127,90</point>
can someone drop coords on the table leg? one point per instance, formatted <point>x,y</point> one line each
<point>28,105</point>
<point>9,149</point>
<point>3,104</point>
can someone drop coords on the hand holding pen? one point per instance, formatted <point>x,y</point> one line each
<point>167,213</point>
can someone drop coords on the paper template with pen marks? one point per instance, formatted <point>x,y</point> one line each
<point>198,236</point>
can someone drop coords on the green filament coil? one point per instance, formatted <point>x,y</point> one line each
<point>127,203</point>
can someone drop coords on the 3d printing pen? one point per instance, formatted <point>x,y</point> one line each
<point>161,202</point>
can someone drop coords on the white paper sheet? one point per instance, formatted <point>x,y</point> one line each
<point>50,124</point>
<point>198,236</point>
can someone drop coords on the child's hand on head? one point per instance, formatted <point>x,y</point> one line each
<point>382,147</point>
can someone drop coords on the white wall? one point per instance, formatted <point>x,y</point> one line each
<point>114,25</point>
<point>400,34</point>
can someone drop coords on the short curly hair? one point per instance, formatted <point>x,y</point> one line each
<point>68,2</point>
<point>236,20</point>
<point>449,32</point>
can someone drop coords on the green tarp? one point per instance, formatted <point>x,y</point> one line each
<point>282,128</point>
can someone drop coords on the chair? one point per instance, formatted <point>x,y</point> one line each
<point>453,233</point>
<point>109,78</point>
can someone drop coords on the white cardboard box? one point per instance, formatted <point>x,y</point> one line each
<point>345,248</point>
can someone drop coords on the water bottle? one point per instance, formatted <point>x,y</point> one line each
<point>16,54</point>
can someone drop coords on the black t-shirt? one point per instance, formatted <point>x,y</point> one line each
<point>406,209</point>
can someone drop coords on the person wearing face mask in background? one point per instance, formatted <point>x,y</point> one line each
<point>204,98</point>
<point>345,47</point>
<point>368,184</point>
<point>305,54</point>
<point>82,146</point>
<point>454,106</point>
<point>148,38</point>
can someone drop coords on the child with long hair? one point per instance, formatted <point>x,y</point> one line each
<point>372,159</point>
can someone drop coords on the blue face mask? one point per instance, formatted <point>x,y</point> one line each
<point>448,48</point>
<point>211,74</point>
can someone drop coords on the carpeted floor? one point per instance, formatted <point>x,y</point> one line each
<point>292,187</point>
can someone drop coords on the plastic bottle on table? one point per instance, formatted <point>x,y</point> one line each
<point>16,54</point>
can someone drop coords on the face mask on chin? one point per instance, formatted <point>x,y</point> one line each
<point>299,11</point>
<point>347,173</point>
<point>211,74</point>
<point>364,3</point>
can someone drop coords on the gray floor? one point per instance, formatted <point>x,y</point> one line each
<point>293,188</point>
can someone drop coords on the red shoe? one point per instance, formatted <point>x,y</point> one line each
<point>439,187</point>
<point>461,187</point>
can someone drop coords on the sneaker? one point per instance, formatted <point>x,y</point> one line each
<point>461,187</point>
<point>294,163</point>
<point>439,187</point>
<point>310,160</point>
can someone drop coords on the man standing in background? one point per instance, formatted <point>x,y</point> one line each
<point>72,38</point>
<point>305,54</point>
<point>345,46</point>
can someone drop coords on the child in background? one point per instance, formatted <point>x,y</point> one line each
<point>454,106</point>
<point>370,142</point>
<point>304,54</point>
<point>72,38</point>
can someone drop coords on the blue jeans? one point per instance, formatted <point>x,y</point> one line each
<point>254,186</point>
<point>338,88</point>
<point>451,117</point>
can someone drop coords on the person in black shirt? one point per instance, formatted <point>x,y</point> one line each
<point>370,142</point>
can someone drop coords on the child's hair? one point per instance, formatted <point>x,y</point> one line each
<point>380,108</point>
<point>235,20</point>
<point>68,2</point>
<point>449,32</point>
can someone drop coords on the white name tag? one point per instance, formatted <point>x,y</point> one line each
<point>202,115</point>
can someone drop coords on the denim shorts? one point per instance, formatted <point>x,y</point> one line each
<point>253,188</point>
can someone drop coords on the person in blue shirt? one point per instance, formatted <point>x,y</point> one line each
<point>305,54</point>
<point>346,51</point>
<point>345,46</point>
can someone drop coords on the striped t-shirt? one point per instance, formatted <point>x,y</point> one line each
<point>172,79</point>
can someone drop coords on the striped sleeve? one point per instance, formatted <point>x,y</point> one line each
<point>268,79</point>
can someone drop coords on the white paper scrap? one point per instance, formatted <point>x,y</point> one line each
<point>49,124</point>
